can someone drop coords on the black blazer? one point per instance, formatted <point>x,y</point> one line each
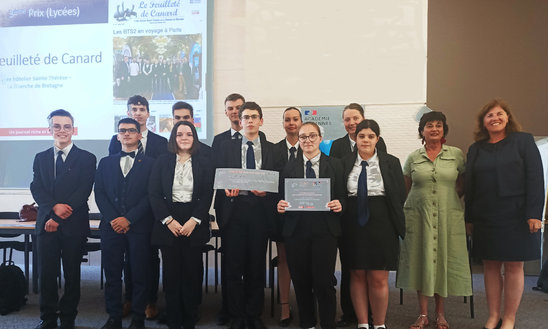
<point>72,187</point>
<point>156,145</point>
<point>341,147</point>
<point>161,197</point>
<point>230,156</point>
<point>519,173</point>
<point>135,205</point>
<point>329,168</point>
<point>282,149</point>
<point>394,185</point>
<point>224,136</point>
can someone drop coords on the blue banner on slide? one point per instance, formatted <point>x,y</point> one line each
<point>47,12</point>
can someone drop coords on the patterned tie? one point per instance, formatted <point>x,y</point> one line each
<point>140,148</point>
<point>363,206</point>
<point>292,151</point>
<point>250,156</point>
<point>309,171</point>
<point>59,164</point>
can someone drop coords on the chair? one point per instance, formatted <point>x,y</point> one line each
<point>14,245</point>
<point>215,248</point>
<point>273,263</point>
<point>94,246</point>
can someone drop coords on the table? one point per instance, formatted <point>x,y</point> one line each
<point>14,226</point>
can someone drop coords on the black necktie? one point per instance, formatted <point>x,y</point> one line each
<point>59,164</point>
<point>363,206</point>
<point>140,148</point>
<point>292,151</point>
<point>131,154</point>
<point>309,171</point>
<point>237,135</point>
<point>250,156</point>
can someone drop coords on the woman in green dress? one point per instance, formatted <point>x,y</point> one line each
<point>433,257</point>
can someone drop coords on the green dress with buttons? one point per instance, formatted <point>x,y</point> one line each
<point>433,256</point>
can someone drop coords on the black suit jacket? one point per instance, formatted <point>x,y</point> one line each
<point>133,204</point>
<point>72,187</point>
<point>341,147</point>
<point>156,145</point>
<point>161,197</point>
<point>283,150</point>
<point>231,157</point>
<point>224,136</point>
<point>329,168</point>
<point>394,185</point>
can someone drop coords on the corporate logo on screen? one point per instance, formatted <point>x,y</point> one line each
<point>44,12</point>
<point>310,112</point>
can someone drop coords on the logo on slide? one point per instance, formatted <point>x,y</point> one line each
<point>123,14</point>
<point>310,112</point>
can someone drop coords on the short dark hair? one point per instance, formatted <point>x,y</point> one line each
<point>313,124</point>
<point>234,97</point>
<point>481,132</point>
<point>293,108</point>
<point>172,143</point>
<point>60,113</point>
<point>182,106</point>
<point>433,116</point>
<point>354,106</point>
<point>137,100</point>
<point>250,106</point>
<point>130,121</point>
<point>368,123</point>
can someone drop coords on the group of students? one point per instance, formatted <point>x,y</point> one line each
<point>156,193</point>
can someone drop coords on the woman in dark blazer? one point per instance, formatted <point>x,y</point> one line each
<point>180,191</point>
<point>311,236</point>
<point>504,194</point>
<point>372,223</point>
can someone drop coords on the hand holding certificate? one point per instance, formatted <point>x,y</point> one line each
<point>304,194</point>
<point>254,180</point>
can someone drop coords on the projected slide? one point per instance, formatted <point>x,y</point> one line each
<point>89,56</point>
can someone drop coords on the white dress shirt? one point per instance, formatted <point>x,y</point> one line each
<point>375,184</point>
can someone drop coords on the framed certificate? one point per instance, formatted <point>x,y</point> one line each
<point>246,179</point>
<point>307,194</point>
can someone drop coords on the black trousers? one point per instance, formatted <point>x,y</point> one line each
<point>245,259</point>
<point>346,301</point>
<point>311,256</point>
<point>153,276</point>
<point>113,248</point>
<point>54,248</point>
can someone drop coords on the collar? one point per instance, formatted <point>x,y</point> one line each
<point>255,141</point>
<point>288,144</point>
<point>359,158</point>
<point>144,133</point>
<point>65,150</point>
<point>314,160</point>
<point>352,142</point>
<point>232,132</point>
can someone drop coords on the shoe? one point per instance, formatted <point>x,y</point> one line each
<point>126,309</point>
<point>499,324</point>
<point>421,322</point>
<point>287,321</point>
<point>47,325</point>
<point>67,324</point>
<point>345,322</point>
<point>223,318</point>
<point>255,323</point>
<point>237,324</point>
<point>137,324</point>
<point>151,312</point>
<point>112,324</point>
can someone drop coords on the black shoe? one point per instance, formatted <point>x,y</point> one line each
<point>237,324</point>
<point>499,324</point>
<point>112,324</point>
<point>67,324</point>
<point>47,325</point>
<point>137,324</point>
<point>223,318</point>
<point>287,321</point>
<point>255,323</point>
<point>345,322</point>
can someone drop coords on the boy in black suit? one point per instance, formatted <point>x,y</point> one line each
<point>121,193</point>
<point>245,219</point>
<point>61,185</point>
<point>152,145</point>
<point>182,111</point>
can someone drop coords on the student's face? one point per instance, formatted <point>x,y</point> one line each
<point>366,140</point>
<point>139,113</point>
<point>351,118</point>
<point>62,129</point>
<point>309,139</point>
<point>495,120</point>
<point>292,122</point>
<point>433,131</point>
<point>251,122</point>
<point>184,138</point>
<point>232,108</point>
<point>182,115</point>
<point>129,137</point>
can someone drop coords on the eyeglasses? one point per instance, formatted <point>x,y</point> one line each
<point>58,127</point>
<point>127,130</point>
<point>250,117</point>
<point>311,137</point>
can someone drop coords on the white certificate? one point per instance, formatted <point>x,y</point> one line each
<point>246,179</point>
<point>307,194</point>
